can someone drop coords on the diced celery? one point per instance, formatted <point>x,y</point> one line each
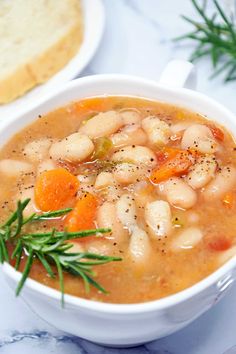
<point>102,147</point>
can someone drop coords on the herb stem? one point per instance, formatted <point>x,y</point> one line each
<point>51,249</point>
<point>26,272</point>
<point>70,235</point>
<point>216,37</point>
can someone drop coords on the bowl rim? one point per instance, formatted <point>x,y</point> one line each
<point>123,309</point>
<point>219,274</point>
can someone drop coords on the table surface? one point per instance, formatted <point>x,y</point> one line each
<point>137,41</point>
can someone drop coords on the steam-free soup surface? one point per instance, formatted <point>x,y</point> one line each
<point>161,177</point>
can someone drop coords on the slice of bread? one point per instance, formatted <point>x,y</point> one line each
<point>37,39</point>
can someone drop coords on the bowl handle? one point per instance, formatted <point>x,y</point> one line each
<point>179,73</point>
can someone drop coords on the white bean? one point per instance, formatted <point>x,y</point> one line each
<point>130,117</point>
<point>225,180</point>
<point>200,138</point>
<point>144,192</point>
<point>178,193</point>
<point>111,193</point>
<point>158,218</point>
<point>15,168</point>
<point>46,165</point>
<point>158,131</point>
<point>136,154</point>
<point>126,211</point>
<point>103,124</point>
<point>91,178</point>
<point>187,239</point>
<point>107,187</point>
<point>139,246</point>
<point>129,136</point>
<point>37,150</point>
<point>103,180</point>
<point>107,218</point>
<point>74,148</point>
<point>202,172</point>
<point>86,184</point>
<point>178,127</point>
<point>126,173</point>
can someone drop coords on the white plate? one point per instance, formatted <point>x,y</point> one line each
<point>94,20</point>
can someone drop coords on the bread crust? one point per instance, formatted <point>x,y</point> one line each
<point>44,65</point>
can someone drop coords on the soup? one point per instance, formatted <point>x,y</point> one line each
<point>160,177</point>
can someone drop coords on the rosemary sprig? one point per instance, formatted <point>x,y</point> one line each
<point>49,248</point>
<point>215,37</point>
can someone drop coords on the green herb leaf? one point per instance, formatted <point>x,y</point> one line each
<point>60,275</point>
<point>216,38</point>
<point>25,272</point>
<point>49,248</point>
<point>51,214</point>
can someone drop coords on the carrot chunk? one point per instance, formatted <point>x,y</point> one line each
<point>176,163</point>
<point>228,200</point>
<point>55,189</point>
<point>217,132</point>
<point>218,243</point>
<point>83,215</point>
<point>95,104</point>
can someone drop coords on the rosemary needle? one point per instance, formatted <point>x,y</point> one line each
<point>215,37</point>
<point>49,248</point>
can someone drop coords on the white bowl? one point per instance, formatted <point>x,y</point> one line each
<point>94,21</point>
<point>114,324</point>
